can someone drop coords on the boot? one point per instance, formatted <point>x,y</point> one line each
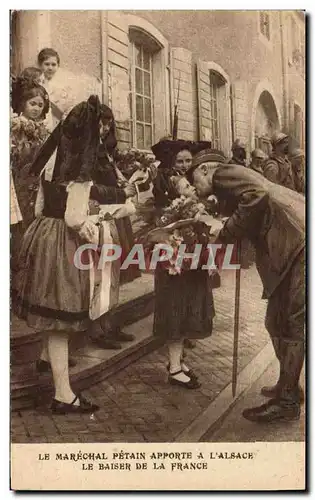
<point>272,391</point>
<point>118,334</point>
<point>286,406</point>
<point>293,360</point>
<point>270,412</point>
<point>101,338</point>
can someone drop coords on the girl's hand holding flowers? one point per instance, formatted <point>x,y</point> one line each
<point>130,190</point>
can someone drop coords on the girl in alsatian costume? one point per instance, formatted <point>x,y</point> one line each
<point>52,293</point>
<point>106,173</point>
<point>184,307</point>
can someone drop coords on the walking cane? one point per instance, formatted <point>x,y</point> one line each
<point>236,318</point>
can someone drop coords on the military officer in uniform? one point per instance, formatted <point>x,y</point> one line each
<point>272,217</point>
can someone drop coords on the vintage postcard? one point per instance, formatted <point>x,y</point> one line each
<point>157,166</point>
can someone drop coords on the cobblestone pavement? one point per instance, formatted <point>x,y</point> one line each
<point>137,404</point>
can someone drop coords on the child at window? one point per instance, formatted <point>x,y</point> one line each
<point>59,93</point>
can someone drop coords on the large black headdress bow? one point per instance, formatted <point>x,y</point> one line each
<point>77,139</point>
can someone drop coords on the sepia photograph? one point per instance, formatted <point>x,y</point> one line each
<point>157,250</point>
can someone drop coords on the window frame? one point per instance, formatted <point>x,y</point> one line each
<point>224,112</point>
<point>217,89</point>
<point>133,98</point>
<point>295,34</point>
<point>160,77</point>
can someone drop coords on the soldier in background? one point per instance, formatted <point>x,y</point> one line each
<point>238,153</point>
<point>297,158</point>
<point>278,168</point>
<point>258,159</point>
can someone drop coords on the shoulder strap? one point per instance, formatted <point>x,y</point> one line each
<point>46,151</point>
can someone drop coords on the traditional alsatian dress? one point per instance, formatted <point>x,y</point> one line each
<point>51,292</point>
<point>184,306</point>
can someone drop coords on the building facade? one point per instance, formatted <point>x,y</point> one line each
<point>233,74</point>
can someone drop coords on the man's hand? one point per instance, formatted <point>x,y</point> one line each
<point>209,220</point>
<point>130,190</point>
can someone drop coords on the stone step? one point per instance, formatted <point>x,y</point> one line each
<point>25,345</point>
<point>29,388</point>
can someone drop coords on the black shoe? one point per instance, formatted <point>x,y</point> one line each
<point>44,366</point>
<point>63,408</point>
<point>273,391</point>
<point>191,384</point>
<point>189,344</point>
<point>122,336</point>
<point>105,342</point>
<point>190,373</point>
<point>272,411</point>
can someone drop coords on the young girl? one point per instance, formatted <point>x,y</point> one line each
<point>107,174</point>
<point>30,103</point>
<point>52,293</point>
<point>184,306</point>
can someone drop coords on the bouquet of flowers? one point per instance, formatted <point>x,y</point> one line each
<point>132,160</point>
<point>181,223</point>
<point>26,138</point>
<point>181,208</point>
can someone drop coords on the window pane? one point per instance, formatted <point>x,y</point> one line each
<point>214,112</point>
<point>215,109</point>
<point>139,108</point>
<point>140,136</point>
<point>147,84</point>
<point>147,111</point>
<point>138,56</point>
<point>148,137</point>
<point>146,60</point>
<point>215,129</point>
<point>211,90</point>
<point>139,87</point>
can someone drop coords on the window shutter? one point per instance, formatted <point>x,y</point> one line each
<point>204,106</point>
<point>241,111</point>
<point>182,89</point>
<point>118,74</point>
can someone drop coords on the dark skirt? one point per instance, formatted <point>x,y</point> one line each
<point>49,292</point>
<point>184,305</point>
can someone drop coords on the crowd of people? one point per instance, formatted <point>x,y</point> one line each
<point>64,169</point>
<point>282,166</point>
